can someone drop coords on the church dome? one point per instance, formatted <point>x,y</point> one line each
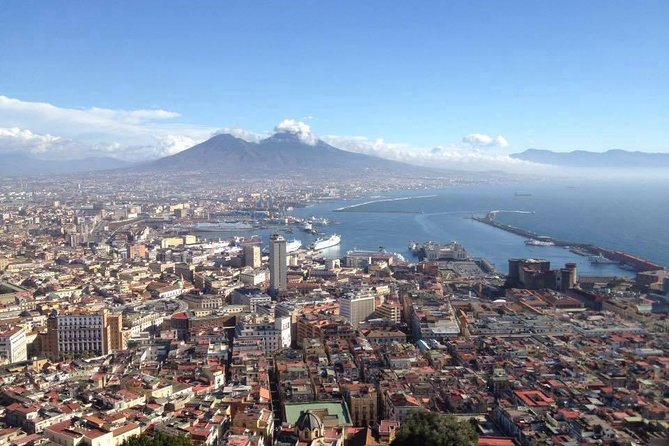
<point>308,421</point>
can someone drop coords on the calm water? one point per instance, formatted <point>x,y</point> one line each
<point>614,215</point>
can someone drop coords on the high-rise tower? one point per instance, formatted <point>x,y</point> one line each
<point>278,267</point>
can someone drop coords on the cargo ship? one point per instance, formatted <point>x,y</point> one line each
<point>321,243</point>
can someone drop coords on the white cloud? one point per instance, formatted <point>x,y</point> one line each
<point>13,139</point>
<point>240,133</point>
<point>302,130</point>
<point>481,140</point>
<point>448,157</point>
<point>130,134</point>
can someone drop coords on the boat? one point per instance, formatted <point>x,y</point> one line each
<point>307,227</point>
<point>321,243</point>
<point>293,246</point>
<point>222,226</point>
<point>601,260</point>
<point>540,241</point>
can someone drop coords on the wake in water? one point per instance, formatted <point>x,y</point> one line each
<point>353,206</point>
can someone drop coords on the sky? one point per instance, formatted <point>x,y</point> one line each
<point>463,81</point>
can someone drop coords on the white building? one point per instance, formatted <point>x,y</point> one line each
<point>253,277</point>
<point>357,306</point>
<point>273,333</point>
<point>13,346</point>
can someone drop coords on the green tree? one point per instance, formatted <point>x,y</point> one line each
<point>435,429</point>
<point>157,440</point>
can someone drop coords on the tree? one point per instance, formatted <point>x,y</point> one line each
<point>435,429</point>
<point>157,440</point>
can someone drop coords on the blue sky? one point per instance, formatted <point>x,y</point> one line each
<point>559,75</point>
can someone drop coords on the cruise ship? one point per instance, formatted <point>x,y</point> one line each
<point>293,246</point>
<point>321,244</point>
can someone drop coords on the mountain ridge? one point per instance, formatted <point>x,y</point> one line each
<point>614,158</point>
<point>21,164</point>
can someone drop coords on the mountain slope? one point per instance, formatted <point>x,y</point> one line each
<point>283,153</point>
<point>619,159</point>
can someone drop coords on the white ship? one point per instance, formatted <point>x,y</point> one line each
<point>321,244</point>
<point>539,242</point>
<point>222,226</point>
<point>601,260</point>
<point>293,246</point>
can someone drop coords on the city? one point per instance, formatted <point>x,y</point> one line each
<point>334,223</point>
<point>119,319</point>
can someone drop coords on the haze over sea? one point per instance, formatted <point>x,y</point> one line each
<point>624,215</point>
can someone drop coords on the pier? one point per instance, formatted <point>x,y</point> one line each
<point>589,249</point>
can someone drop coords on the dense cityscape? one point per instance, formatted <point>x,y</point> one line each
<point>334,223</point>
<point>130,312</point>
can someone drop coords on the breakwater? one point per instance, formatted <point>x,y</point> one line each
<point>621,257</point>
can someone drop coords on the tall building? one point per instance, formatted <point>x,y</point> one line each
<point>252,256</point>
<point>357,306</point>
<point>82,333</point>
<point>13,346</point>
<point>278,264</point>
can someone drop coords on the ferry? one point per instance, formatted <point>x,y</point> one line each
<point>540,241</point>
<point>321,243</point>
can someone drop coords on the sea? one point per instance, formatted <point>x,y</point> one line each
<point>632,216</point>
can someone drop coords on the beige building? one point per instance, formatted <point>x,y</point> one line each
<point>83,333</point>
<point>362,400</point>
<point>252,256</point>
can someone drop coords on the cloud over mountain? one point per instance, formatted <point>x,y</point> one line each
<point>302,130</point>
<point>47,130</point>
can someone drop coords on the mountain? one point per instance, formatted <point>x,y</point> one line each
<point>20,164</point>
<point>619,159</point>
<point>282,153</point>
